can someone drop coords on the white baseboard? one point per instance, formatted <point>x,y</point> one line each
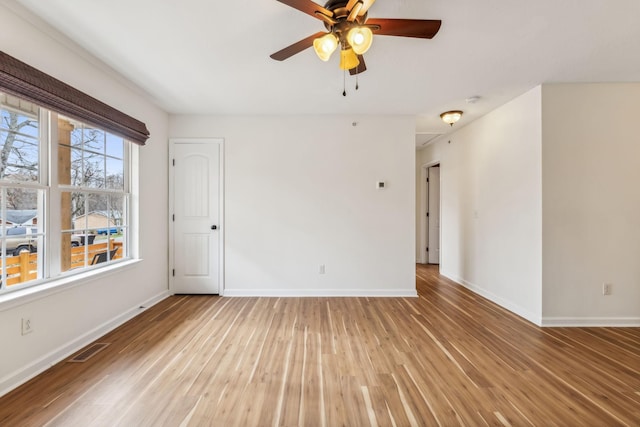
<point>615,322</point>
<point>318,293</point>
<point>619,322</point>
<point>15,379</point>
<point>509,305</point>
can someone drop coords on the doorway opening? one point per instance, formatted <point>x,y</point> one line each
<point>430,235</point>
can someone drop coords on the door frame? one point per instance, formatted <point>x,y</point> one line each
<point>423,259</point>
<point>221,228</point>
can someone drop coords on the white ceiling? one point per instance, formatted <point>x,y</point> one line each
<point>212,56</point>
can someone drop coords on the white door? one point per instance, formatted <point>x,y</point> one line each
<point>195,216</point>
<point>433,220</point>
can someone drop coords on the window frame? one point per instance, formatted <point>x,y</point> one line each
<point>50,208</point>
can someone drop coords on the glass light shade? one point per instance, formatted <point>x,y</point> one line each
<point>348,59</point>
<point>325,45</point>
<point>450,117</point>
<point>360,39</point>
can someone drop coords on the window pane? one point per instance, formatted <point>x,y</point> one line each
<point>93,170</point>
<point>21,238</point>
<point>85,137</point>
<point>94,140</point>
<point>115,174</point>
<point>94,235</point>
<point>73,233</point>
<point>21,200</point>
<point>73,251</point>
<point>21,208</point>
<point>21,163</point>
<point>19,144</point>
<point>20,269</point>
<point>87,169</point>
<point>116,206</point>
<point>96,157</point>
<point>115,146</point>
<point>75,132</point>
<point>78,244</point>
<point>98,209</point>
<point>93,213</point>
<point>75,203</point>
<point>77,169</point>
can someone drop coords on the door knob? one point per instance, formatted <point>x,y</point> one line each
<point>214,227</point>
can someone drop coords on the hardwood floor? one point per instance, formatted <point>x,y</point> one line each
<point>446,358</point>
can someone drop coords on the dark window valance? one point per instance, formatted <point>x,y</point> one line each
<point>20,79</point>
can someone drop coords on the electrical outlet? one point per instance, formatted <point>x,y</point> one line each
<point>321,269</point>
<point>607,289</point>
<point>27,325</point>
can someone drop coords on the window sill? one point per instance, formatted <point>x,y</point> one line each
<point>28,295</point>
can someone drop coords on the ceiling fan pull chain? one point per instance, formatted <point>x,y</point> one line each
<point>357,72</point>
<point>344,83</point>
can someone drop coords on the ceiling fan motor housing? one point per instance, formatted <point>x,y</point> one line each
<point>340,14</point>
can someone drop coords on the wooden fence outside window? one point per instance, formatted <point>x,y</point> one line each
<point>24,267</point>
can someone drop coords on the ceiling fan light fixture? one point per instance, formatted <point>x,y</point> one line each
<point>348,59</point>
<point>450,117</point>
<point>325,46</point>
<point>360,39</point>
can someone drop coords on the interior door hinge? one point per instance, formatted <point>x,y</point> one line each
<point>427,214</point>
<point>174,162</point>
<point>427,179</point>
<point>173,272</point>
<point>173,217</point>
<point>427,248</point>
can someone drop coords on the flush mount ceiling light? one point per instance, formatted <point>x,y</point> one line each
<point>349,29</point>
<point>450,117</point>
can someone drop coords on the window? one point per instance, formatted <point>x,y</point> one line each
<point>64,178</point>
<point>64,203</point>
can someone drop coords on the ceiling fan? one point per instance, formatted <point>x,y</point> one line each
<point>348,28</point>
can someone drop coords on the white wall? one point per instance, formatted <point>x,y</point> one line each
<point>300,192</point>
<point>491,213</point>
<point>66,319</point>
<point>551,176</point>
<point>591,203</point>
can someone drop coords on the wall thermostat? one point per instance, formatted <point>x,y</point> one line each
<point>380,185</point>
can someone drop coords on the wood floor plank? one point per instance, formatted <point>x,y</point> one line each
<point>446,358</point>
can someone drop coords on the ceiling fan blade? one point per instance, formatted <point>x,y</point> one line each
<point>354,11</point>
<point>297,47</point>
<point>308,7</point>
<point>357,8</point>
<point>366,4</point>
<point>360,68</point>
<point>351,3</point>
<point>418,28</point>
